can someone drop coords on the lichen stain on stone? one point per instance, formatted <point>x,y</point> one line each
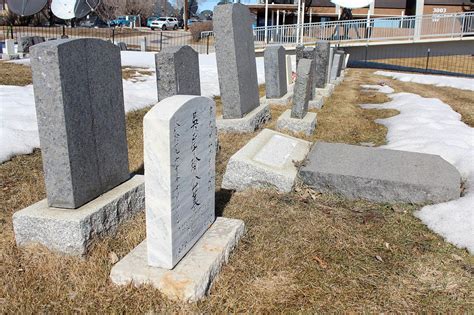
<point>212,248</point>
<point>172,286</point>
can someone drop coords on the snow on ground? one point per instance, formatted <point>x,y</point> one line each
<point>437,80</point>
<point>427,125</point>
<point>18,127</point>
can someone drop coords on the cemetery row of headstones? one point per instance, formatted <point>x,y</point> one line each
<point>81,122</point>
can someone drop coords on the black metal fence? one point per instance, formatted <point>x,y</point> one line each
<point>426,58</point>
<point>136,39</point>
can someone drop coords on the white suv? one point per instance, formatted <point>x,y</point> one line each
<point>165,23</point>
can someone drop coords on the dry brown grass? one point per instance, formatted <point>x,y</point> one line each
<point>17,74</point>
<point>14,74</point>
<point>460,63</point>
<point>303,252</point>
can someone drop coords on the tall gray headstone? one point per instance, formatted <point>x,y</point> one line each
<point>180,149</point>
<point>236,63</point>
<point>275,71</point>
<point>308,53</point>
<point>336,62</point>
<point>331,59</point>
<point>321,60</point>
<point>342,58</point>
<point>81,119</point>
<point>303,86</point>
<point>177,72</point>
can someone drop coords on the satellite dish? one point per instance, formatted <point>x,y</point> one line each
<point>63,9</point>
<point>83,7</point>
<point>352,4</point>
<point>26,7</point>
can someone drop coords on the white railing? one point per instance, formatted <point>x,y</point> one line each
<point>454,25</point>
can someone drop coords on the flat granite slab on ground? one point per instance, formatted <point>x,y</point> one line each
<point>380,175</point>
<point>266,161</point>
<point>72,231</point>
<point>192,278</point>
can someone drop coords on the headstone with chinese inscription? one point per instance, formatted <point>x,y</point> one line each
<point>180,150</point>
<point>186,245</point>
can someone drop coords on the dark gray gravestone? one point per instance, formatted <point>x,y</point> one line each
<point>25,43</point>
<point>275,71</point>
<point>321,60</point>
<point>308,53</point>
<point>236,64</point>
<point>302,90</point>
<point>342,56</point>
<point>81,119</point>
<point>177,72</point>
<point>122,46</point>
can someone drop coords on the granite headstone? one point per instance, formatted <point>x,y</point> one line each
<point>275,72</point>
<point>236,63</point>
<point>177,72</point>
<point>303,87</point>
<point>81,119</point>
<point>180,149</point>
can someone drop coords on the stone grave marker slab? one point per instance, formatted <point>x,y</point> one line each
<point>236,63</point>
<point>185,246</point>
<point>179,132</point>
<point>303,88</point>
<point>177,72</point>
<point>321,65</point>
<point>275,72</point>
<point>380,175</point>
<point>266,161</point>
<point>81,119</point>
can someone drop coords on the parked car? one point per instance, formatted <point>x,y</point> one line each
<point>120,21</point>
<point>93,22</point>
<point>165,23</point>
<point>151,19</point>
<point>192,21</point>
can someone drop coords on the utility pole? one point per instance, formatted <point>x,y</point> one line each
<point>186,17</point>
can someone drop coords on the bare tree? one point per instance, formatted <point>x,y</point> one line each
<point>110,9</point>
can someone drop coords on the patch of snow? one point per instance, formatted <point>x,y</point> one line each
<point>379,88</point>
<point>18,126</point>
<point>427,125</point>
<point>437,80</point>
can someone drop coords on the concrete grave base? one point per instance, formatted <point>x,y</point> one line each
<point>317,102</point>
<point>10,57</point>
<point>266,161</point>
<point>326,91</point>
<point>72,231</point>
<point>307,125</point>
<point>251,122</point>
<point>380,175</point>
<point>283,101</point>
<point>191,279</point>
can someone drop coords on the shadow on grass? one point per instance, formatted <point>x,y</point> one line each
<point>223,197</point>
